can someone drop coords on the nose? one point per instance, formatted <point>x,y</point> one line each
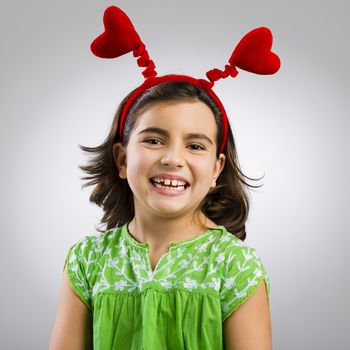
<point>173,155</point>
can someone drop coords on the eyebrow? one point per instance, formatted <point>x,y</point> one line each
<point>166,133</point>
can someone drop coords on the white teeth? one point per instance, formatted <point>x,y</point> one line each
<point>167,182</point>
<point>178,188</point>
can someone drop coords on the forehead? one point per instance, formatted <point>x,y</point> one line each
<point>195,117</point>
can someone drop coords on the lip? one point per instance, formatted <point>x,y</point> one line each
<point>171,177</point>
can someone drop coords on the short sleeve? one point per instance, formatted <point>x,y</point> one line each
<point>78,262</point>
<point>243,273</point>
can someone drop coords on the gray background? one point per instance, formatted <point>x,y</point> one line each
<point>291,127</point>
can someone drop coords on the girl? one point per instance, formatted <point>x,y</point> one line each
<point>171,269</point>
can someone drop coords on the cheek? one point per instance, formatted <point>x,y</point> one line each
<point>141,163</point>
<point>202,169</point>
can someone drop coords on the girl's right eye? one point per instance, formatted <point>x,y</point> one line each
<point>151,140</point>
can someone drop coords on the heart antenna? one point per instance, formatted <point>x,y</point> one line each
<point>119,38</point>
<point>252,54</point>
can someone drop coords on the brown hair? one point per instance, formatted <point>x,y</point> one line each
<point>226,204</point>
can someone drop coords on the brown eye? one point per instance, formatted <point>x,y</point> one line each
<point>200,147</point>
<point>151,140</point>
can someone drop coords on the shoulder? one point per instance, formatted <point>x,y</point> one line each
<point>96,244</point>
<point>85,253</point>
<point>83,259</point>
<point>233,247</point>
<point>237,252</point>
<point>243,270</point>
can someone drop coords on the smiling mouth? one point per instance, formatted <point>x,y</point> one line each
<point>178,188</point>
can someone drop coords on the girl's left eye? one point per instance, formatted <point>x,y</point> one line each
<point>200,147</point>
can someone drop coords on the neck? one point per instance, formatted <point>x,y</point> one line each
<point>159,236</point>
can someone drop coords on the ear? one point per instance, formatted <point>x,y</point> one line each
<point>219,166</point>
<point>119,155</point>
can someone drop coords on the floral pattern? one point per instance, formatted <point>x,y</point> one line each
<point>216,263</point>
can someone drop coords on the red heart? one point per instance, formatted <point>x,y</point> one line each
<point>253,53</point>
<point>119,37</point>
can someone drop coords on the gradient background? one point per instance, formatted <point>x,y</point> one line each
<point>291,127</point>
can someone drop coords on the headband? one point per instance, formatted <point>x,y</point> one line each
<point>252,54</point>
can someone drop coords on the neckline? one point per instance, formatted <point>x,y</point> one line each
<point>145,245</point>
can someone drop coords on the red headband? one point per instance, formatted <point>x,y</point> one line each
<point>253,54</point>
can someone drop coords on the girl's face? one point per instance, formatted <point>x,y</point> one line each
<point>171,150</point>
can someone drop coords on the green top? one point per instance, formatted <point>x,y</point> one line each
<point>195,286</point>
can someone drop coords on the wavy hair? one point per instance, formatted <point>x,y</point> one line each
<point>226,204</point>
